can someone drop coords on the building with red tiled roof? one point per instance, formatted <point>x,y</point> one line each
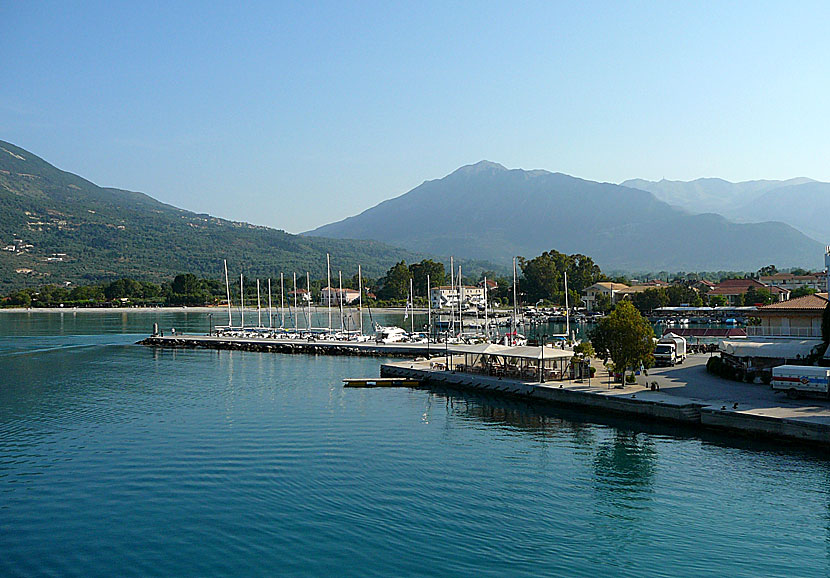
<point>817,281</point>
<point>732,288</point>
<point>799,318</point>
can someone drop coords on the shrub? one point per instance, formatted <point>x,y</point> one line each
<point>630,378</point>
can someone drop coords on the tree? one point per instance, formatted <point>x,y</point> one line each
<point>187,289</point>
<point>419,272</point>
<point>543,276</point>
<point>585,348</point>
<point>802,291</point>
<point>717,301</point>
<point>755,296</point>
<point>123,288</point>
<point>20,299</point>
<point>602,303</point>
<point>767,271</point>
<point>396,282</point>
<point>625,336</point>
<point>650,299</point>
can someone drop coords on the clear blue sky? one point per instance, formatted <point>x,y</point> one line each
<point>296,114</point>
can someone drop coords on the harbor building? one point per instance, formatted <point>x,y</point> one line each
<point>446,296</point>
<point>335,295</point>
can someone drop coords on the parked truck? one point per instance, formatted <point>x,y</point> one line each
<point>670,350</point>
<point>801,380</point>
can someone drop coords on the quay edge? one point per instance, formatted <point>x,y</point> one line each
<point>638,404</point>
<point>289,346</point>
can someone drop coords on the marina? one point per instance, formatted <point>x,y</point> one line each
<point>684,394</point>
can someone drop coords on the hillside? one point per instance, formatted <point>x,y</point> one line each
<point>486,211</point>
<point>65,228</point>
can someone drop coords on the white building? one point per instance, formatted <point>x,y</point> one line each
<point>446,296</point>
<point>614,291</point>
<point>332,294</point>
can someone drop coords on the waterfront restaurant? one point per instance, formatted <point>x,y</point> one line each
<point>527,362</point>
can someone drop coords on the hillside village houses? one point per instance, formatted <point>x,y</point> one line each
<point>446,296</point>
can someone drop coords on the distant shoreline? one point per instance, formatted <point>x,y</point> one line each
<point>188,309</point>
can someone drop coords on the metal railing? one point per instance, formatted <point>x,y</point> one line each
<point>764,331</point>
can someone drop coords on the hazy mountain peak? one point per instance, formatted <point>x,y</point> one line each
<point>480,167</point>
<point>485,211</point>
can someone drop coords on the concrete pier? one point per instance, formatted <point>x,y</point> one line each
<point>312,347</point>
<point>710,402</point>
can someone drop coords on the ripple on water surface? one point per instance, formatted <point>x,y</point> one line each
<point>117,459</point>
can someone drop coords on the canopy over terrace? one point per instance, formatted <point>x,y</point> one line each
<point>761,354</point>
<point>528,362</point>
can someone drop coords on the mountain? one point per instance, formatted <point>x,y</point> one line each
<point>804,206</point>
<point>56,226</point>
<point>486,211</point>
<point>714,195</point>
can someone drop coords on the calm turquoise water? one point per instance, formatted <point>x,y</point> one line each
<point>117,459</point>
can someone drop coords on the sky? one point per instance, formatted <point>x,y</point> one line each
<point>296,114</point>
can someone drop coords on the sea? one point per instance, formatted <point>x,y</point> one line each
<point>118,459</point>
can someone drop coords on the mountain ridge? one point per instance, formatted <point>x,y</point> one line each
<point>84,233</point>
<point>485,212</point>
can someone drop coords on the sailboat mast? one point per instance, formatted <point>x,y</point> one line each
<point>328,286</point>
<point>460,298</point>
<point>411,307</point>
<point>513,320</point>
<point>567,311</point>
<point>360,298</point>
<point>340,297</point>
<point>270,311</point>
<point>308,288</point>
<point>429,311</point>
<point>486,323</point>
<point>452,292</point>
<point>242,300</point>
<point>295,300</point>
<point>258,306</point>
<point>282,301</point>
<point>228,289</point>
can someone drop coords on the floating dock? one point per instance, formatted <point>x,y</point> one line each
<point>306,346</point>
<point>381,382</point>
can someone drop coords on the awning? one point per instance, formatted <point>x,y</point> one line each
<point>479,349</point>
<point>535,352</point>
<point>524,352</point>
<point>771,349</point>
